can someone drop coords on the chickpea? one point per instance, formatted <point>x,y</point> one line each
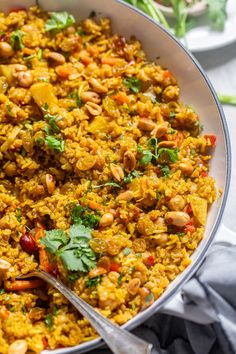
<point>6,50</point>
<point>10,169</point>
<point>133,286</point>
<point>25,78</point>
<point>56,58</point>
<point>177,203</point>
<point>106,220</point>
<point>177,218</point>
<point>20,346</point>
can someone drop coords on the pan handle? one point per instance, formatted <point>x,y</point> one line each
<point>177,307</point>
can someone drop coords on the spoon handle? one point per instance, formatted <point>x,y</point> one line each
<point>118,340</point>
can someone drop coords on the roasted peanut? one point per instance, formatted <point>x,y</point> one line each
<point>97,86</point>
<point>160,239</point>
<point>160,130</point>
<point>176,203</point>
<point>6,50</point>
<point>20,346</point>
<point>93,108</point>
<point>4,266</point>
<point>170,144</point>
<point>25,78</point>
<point>56,58</point>
<point>146,125</point>
<point>126,196</point>
<point>117,172</point>
<point>36,314</point>
<point>50,183</point>
<point>177,218</point>
<point>129,161</point>
<point>133,286</point>
<point>90,96</point>
<point>96,272</point>
<point>106,220</point>
<point>186,168</point>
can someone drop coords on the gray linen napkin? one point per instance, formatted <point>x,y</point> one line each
<point>213,291</point>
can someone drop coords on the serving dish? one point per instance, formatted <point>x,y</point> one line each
<point>191,80</point>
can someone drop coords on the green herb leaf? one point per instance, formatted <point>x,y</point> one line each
<point>52,122</point>
<point>49,320</point>
<point>133,84</point>
<point>227,99</point>
<point>146,158</point>
<point>73,277</point>
<point>54,143</point>
<point>119,280</point>
<point>126,251</point>
<point>2,291</point>
<point>172,153</point>
<point>16,40</point>
<point>165,170</point>
<point>59,21</point>
<point>79,230</point>
<point>79,216</point>
<point>133,174</point>
<point>18,215</point>
<point>217,13</point>
<point>53,240</point>
<point>93,282</point>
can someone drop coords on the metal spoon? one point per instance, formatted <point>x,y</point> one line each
<point>118,340</point>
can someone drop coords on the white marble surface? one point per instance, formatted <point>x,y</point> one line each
<point>220,66</point>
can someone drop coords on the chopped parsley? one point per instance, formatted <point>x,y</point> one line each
<point>18,215</point>
<point>108,184</point>
<point>133,84</point>
<point>73,277</point>
<point>119,280</point>
<point>59,21</point>
<point>16,40</point>
<point>75,96</point>
<point>82,215</point>
<point>2,291</point>
<point>52,122</point>
<point>90,283</point>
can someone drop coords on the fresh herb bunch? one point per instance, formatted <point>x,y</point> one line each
<point>59,21</point>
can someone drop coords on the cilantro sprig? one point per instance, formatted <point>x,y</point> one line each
<point>73,249</point>
<point>157,154</point>
<point>133,84</point>
<point>16,40</point>
<point>59,21</point>
<point>82,215</point>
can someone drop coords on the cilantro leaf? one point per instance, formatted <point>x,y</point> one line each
<point>217,13</point>
<point>165,170</point>
<point>49,320</point>
<point>76,213</point>
<point>172,153</point>
<point>133,84</point>
<point>53,240</point>
<point>146,158</point>
<point>52,122</point>
<point>54,143</point>
<point>93,282</point>
<point>16,40</point>
<point>79,230</point>
<point>133,174</point>
<point>59,21</point>
<point>79,216</point>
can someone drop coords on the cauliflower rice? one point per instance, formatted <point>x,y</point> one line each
<point>104,177</point>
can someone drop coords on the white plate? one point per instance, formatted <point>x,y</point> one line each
<point>202,37</point>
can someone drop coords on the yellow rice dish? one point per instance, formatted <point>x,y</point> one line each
<point>104,177</point>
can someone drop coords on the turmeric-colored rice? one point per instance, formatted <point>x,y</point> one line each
<point>95,136</point>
